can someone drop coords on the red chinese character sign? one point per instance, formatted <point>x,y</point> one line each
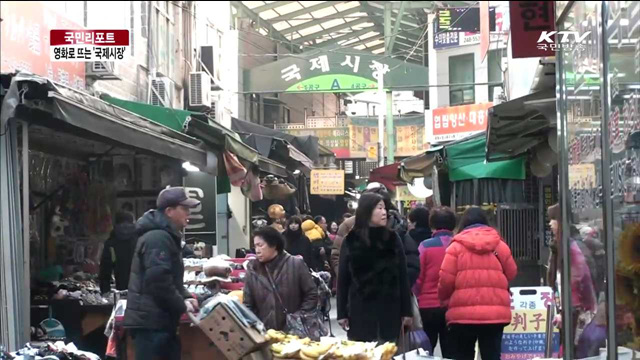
<point>456,122</point>
<point>529,20</point>
<point>525,337</point>
<point>24,42</point>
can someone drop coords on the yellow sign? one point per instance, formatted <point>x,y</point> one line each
<point>582,176</point>
<point>372,152</point>
<point>327,182</point>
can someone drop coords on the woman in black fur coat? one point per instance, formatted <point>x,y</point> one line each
<point>373,289</point>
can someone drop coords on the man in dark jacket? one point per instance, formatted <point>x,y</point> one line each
<point>118,253</point>
<point>419,219</point>
<point>157,297</point>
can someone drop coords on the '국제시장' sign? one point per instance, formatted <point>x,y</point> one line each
<point>327,182</point>
<point>325,70</point>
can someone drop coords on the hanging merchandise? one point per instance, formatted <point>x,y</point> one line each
<point>276,189</point>
<point>235,171</point>
<point>251,187</point>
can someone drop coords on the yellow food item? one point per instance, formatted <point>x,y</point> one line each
<point>238,294</point>
<point>275,335</point>
<point>315,349</point>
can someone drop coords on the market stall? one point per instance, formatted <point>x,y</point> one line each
<point>82,160</point>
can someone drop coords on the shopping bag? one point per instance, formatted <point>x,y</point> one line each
<point>413,340</point>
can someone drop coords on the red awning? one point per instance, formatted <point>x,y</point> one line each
<point>387,175</point>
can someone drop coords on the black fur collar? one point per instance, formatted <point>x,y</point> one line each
<point>374,267</point>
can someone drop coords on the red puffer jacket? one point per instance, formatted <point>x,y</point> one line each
<point>474,278</point>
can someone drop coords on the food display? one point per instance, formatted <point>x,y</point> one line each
<point>284,346</point>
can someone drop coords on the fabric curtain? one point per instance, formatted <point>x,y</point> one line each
<point>488,191</point>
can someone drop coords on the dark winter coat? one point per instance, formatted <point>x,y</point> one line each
<point>411,241</point>
<point>295,285</point>
<point>117,257</point>
<point>156,289</point>
<point>373,289</point>
<point>297,244</point>
<point>396,225</point>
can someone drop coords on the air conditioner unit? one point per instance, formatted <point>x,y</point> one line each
<point>103,70</point>
<point>199,90</point>
<point>161,92</point>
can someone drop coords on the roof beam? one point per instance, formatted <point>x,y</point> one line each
<point>318,21</point>
<point>269,6</point>
<point>396,26</point>
<point>308,10</point>
<point>352,36</point>
<point>245,11</point>
<point>331,30</point>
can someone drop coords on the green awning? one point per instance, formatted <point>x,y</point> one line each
<point>466,160</point>
<point>192,123</point>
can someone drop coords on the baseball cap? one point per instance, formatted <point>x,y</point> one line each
<point>174,196</point>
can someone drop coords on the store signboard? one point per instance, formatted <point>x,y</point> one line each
<point>529,19</point>
<point>525,337</point>
<point>372,151</point>
<point>202,221</point>
<point>463,19</point>
<point>327,182</point>
<point>403,194</point>
<point>455,122</point>
<point>25,38</point>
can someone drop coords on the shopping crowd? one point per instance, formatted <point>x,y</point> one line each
<point>451,275</point>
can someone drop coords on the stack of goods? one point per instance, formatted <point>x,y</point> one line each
<point>285,346</point>
<point>229,273</point>
<point>56,350</point>
<point>80,286</point>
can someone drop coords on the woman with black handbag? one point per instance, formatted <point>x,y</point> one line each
<point>374,299</point>
<point>279,288</point>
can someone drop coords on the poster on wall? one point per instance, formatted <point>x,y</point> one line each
<point>455,122</point>
<point>24,42</point>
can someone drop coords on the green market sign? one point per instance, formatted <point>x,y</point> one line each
<point>334,70</point>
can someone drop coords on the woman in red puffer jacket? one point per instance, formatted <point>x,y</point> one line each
<point>474,286</point>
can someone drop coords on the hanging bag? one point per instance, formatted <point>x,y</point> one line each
<point>301,323</point>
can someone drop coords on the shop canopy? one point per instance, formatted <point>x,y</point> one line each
<point>387,175</point>
<point>192,123</point>
<point>520,124</point>
<point>68,110</point>
<point>420,165</point>
<point>466,160</point>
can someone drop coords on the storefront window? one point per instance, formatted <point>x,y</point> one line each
<point>622,31</point>
<point>583,228</point>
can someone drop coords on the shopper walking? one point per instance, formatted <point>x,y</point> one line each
<point>296,243</point>
<point>277,282</point>
<point>157,297</point>
<point>474,285</point>
<point>333,230</point>
<point>373,289</point>
<point>316,236</point>
<point>419,225</point>
<point>118,251</point>
<point>432,251</point>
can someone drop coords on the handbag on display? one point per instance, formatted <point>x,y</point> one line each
<point>301,323</point>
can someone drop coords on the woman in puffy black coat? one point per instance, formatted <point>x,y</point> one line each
<point>373,289</point>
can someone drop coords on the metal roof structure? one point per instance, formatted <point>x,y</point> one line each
<point>361,25</point>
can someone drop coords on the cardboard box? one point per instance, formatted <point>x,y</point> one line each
<point>232,338</point>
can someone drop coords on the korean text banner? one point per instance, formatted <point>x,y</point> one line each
<point>325,70</point>
<point>327,182</point>
<point>24,42</point>
<point>456,122</point>
<point>528,20</point>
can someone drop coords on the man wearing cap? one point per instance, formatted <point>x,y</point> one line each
<point>157,297</point>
